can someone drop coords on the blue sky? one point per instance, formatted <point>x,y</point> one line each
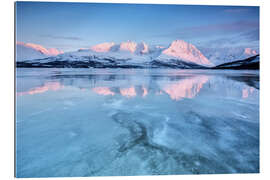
<point>70,26</point>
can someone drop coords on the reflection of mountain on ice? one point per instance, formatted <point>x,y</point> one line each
<point>143,117</point>
<point>103,91</point>
<point>48,86</point>
<point>186,88</point>
<point>175,86</point>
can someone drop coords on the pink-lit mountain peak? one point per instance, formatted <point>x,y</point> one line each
<point>187,52</point>
<point>103,47</point>
<point>133,47</point>
<point>128,46</point>
<point>249,52</point>
<point>40,48</point>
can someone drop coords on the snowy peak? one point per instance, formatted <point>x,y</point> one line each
<point>30,51</point>
<point>103,47</point>
<point>43,50</point>
<point>187,52</point>
<point>250,52</point>
<point>136,48</point>
<point>129,46</point>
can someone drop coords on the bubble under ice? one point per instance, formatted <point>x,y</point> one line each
<point>111,122</point>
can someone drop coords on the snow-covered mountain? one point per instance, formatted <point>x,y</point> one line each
<point>248,63</point>
<point>30,51</point>
<point>129,46</point>
<point>178,50</point>
<point>184,51</point>
<point>126,52</point>
<point>103,47</point>
<point>220,55</point>
<point>179,54</point>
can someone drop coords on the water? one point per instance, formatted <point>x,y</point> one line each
<point>106,122</point>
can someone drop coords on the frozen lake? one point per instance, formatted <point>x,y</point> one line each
<point>107,122</point>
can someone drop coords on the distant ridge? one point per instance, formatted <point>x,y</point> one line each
<point>249,63</point>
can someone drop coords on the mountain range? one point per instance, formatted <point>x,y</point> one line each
<point>179,54</point>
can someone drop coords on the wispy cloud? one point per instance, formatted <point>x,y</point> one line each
<point>253,35</point>
<point>235,26</point>
<point>209,30</point>
<point>245,39</point>
<point>235,34</point>
<point>73,38</point>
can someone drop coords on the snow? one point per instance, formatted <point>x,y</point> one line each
<point>106,122</point>
<point>187,52</point>
<point>120,56</point>
<point>103,47</point>
<point>142,48</point>
<point>30,51</point>
<point>128,46</point>
<point>250,52</point>
<point>220,55</point>
<point>137,53</point>
<point>26,53</point>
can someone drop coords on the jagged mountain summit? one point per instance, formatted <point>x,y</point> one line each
<point>129,46</point>
<point>129,54</point>
<point>184,51</point>
<point>178,50</point>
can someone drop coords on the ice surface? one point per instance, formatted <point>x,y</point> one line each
<point>106,122</point>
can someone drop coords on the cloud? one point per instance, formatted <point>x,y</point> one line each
<point>253,35</point>
<point>235,26</point>
<point>245,39</point>
<point>211,30</point>
<point>73,38</point>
